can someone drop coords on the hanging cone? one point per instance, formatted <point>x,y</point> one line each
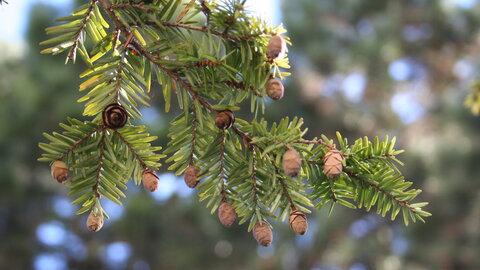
<point>276,47</point>
<point>298,222</point>
<point>59,171</point>
<point>292,162</point>
<point>225,119</point>
<point>275,89</point>
<point>191,176</point>
<point>333,163</point>
<point>263,234</point>
<point>150,180</point>
<point>114,116</point>
<point>227,214</point>
<point>94,223</point>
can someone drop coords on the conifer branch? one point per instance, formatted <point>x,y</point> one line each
<point>135,154</point>
<point>282,183</point>
<point>284,187</point>
<point>78,34</point>
<point>253,176</point>
<point>194,136</point>
<point>77,143</point>
<point>233,67</point>
<point>377,188</point>
<point>95,188</point>
<point>332,188</point>
<point>206,30</point>
<point>130,5</point>
<point>222,164</point>
<point>320,141</point>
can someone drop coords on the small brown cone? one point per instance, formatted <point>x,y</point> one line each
<point>114,116</point>
<point>276,47</point>
<point>94,223</point>
<point>150,180</point>
<point>292,162</point>
<point>59,171</point>
<point>275,89</point>
<point>191,176</point>
<point>227,214</point>
<point>225,119</point>
<point>263,234</point>
<point>333,165</point>
<point>298,222</point>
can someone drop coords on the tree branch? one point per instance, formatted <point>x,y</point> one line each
<point>77,143</point>
<point>137,156</point>
<point>222,164</point>
<point>100,165</point>
<point>391,196</point>
<point>194,135</point>
<point>73,50</point>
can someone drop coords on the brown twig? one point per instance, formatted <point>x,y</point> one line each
<point>131,5</point>
<point>73,50</point>
<point>194,136</point>
<point>206,63</point>
<point>320,141</point>
<point>206,30</point>
<point>222,164</point>
<point>400,202</point>
<point>284,187</point>
<point>233,84</point>
<point>77,143</point>
<point>100,165</point>
<point>253,176</point>
<point>137,157</point>
<point>118,80</point>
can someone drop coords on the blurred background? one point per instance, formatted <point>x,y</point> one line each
<point>397,67</point>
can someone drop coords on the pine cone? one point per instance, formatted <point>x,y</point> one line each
<point>94,223</point>
<point>292,162</point>
<point>150,180</point>
<point>333,165</point>
<point>298,222</point>
<point>263,234</point>
<point>114,116</point>
<point>276,47</point>
<point>275,89</point>
<point>191,176</point>
<point>225,119</point>
<point>227,214</point>
<point>59,171</point>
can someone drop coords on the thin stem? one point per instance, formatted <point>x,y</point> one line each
<point>137,156</point>
<point>284,188</point>
<point>222,164</point>
<point>100,165</point>
<point>118,80</point>
<point>332,189</point>
<point>282,183</point>
<point>400,202</point>
<point>194,136</point>
<point>320,141</point>
<point>77,143</point>
<point>73,50</point>
<point>206,63</point>
<point>131,5</point>
<point>253,176</point>
<point>205,30</point>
